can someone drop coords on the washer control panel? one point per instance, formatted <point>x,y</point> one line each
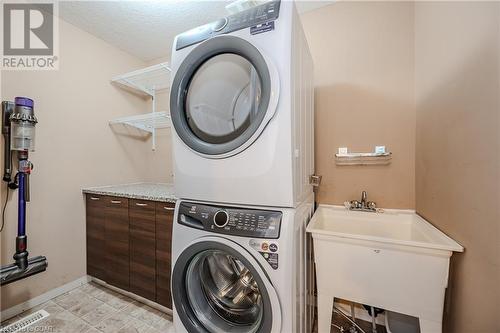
<point>251,17</point>
<point>231,220</point>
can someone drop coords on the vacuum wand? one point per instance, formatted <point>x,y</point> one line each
<point>22,139</point>
<point>24,168</point>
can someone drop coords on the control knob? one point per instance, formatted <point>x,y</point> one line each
<point>219,24</point>
<point>221,218</point>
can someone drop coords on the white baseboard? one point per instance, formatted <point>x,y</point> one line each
<point>20,308</point>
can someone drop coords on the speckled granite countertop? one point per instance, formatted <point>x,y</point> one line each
<point>145,191</point>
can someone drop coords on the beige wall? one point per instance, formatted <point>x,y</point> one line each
<point>363,59</point>
<point>423,79</point>
<point>458,149</point>
<point>75,148</point>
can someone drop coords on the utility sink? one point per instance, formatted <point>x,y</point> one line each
<point>397,227</point>
<point>392,259</point>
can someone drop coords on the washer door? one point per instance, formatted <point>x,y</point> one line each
<point>217,286</point>
<point>222,96</point>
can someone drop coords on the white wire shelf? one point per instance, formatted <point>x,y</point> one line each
<point>148,122</point>
<point>147,80</point>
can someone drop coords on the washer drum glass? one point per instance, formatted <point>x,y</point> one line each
<point>223,293</point>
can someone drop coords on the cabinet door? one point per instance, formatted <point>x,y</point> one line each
<point>142,248</point>
<point>117,242</point>
<point>164,221</point>
<point>95,214</point>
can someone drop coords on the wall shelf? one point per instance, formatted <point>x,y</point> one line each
<point>147,81</point>
<point>148,122</point>
<point>363,158</point>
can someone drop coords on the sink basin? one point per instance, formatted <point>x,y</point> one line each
<point>392,227</point>
<point>394,260</point>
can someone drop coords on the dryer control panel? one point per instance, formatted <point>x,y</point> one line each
<point>231,220</point>
<point>251,17</point>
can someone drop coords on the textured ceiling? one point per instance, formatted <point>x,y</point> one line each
<point>146,29</point>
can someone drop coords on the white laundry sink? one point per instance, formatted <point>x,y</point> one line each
<point>393,259</point>
<point>397,227</point>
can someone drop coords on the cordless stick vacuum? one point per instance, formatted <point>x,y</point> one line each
<point>18,129</point>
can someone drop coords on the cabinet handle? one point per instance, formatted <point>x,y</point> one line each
<point>169,208</point>
<point>94,198</point>
<point>116,202</point>
<point>141,204</point>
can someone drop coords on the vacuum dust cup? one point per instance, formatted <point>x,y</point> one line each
<point>23,123</point>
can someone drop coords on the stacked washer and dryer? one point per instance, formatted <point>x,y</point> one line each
<point>242,108</point>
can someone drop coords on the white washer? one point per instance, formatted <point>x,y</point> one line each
<point>240,269</point>
<point>242,107</point>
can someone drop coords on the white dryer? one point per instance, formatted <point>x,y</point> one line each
<point>241,104</point>
<point>240,269</point>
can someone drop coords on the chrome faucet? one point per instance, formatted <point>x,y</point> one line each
<point>363,205</point>
<point>364,195</point>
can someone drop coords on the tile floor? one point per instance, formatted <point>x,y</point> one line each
<point>92,308</point>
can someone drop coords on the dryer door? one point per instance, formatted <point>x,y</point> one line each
<point>217,286</point>
<point>222,96</point>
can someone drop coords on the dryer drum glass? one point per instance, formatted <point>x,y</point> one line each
<point>223,98</point>
<point>223,293</point>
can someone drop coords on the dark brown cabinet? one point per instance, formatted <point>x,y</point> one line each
<point>96,246</point>
<point>129,245</point>
<point>142,248</point>
<point>117,242</point>
<point>164,220</point>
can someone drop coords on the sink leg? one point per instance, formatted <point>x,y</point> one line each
<point>429,326</point>
<point>325,309</point>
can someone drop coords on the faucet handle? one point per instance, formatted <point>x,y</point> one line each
<point>371,205</point>
<point>355,204</point>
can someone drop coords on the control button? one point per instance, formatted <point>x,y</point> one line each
<point>273,247</point>
<point>219,24</point>
<point>221,218</point>
<point>264,246</point>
